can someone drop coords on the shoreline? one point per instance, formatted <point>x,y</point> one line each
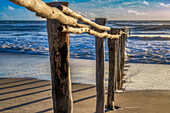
<point>34,96</point>
<point>138,76</point>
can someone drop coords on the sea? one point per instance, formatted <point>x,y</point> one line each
<point>149,41</point>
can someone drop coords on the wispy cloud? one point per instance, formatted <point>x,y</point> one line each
<point>11,8</point>
<point>145,2</point>
<point>3,16</point>
<point>133,12</point>
<point>163,5</point>
<point>129,3</point>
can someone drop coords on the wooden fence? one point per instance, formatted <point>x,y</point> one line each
<point>58,21</point>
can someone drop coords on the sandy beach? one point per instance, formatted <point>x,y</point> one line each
<point>147,89</point>
<point>26,95</point>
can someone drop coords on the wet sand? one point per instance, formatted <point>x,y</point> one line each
<point>27,95</point>
<point>138,76</point>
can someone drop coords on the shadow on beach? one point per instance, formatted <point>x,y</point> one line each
<point>34,96</point>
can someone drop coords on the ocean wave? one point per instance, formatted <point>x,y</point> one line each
<point>149,41</point>
<point>139,23</point>
<point>150,37</point>
<point>24,50</point>
<point>21,25</point>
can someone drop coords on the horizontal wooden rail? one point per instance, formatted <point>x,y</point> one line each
<point>43,10</point>
<point>87,30</point>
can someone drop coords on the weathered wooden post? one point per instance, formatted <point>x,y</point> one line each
<point>122,54</point>
<point>59,61</point>
<point>121,60</point>
<point>123,49</point>
<point>100,80</point>
<point>112,71</point>
<point>118,75</point>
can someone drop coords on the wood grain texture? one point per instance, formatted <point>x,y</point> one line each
<point>112,71</point>
<point>43,10</point>
<point>100,80</point>
<point>60,70</point>
<point>119,64</point>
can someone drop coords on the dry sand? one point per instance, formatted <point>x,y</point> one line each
<point>26,95</point>
<point>147,77</point>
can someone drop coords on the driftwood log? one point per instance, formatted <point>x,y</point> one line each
<point>43,10</point>
<point>87,30</point>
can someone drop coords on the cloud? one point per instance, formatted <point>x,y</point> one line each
<point>133,12</point>
<point>3,16</point>
<point>145,2</point>
<point>130,3</point>
<point>163,5</point>
<point>11,8</point>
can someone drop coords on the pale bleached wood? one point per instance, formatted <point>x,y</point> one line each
<point>60,70</point>
<point>87,30</point>
<point>46,11</point>
<point>100,79</point>
<point>68,11</point>
<point>82,25</point>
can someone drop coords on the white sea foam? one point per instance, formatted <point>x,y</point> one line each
<point>152,36</point>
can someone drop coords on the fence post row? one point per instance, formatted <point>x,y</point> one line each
<point>60,73</point>
<point>100,73</point>
<point>59,61</point>
<point>60,70</point>
<point>59,53</point>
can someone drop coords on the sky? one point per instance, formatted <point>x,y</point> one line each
<point>110,9</point>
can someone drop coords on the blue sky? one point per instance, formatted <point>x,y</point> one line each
<point>111,9</point>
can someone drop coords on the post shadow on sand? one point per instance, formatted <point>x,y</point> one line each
<point>46,110</point>
<point>25,89</point>
<point>29,94</point>
<point>25,95</point>
<point>12,86</point>
<point>20,105</point>
<point>36,92</point>
<point>26,79</point>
